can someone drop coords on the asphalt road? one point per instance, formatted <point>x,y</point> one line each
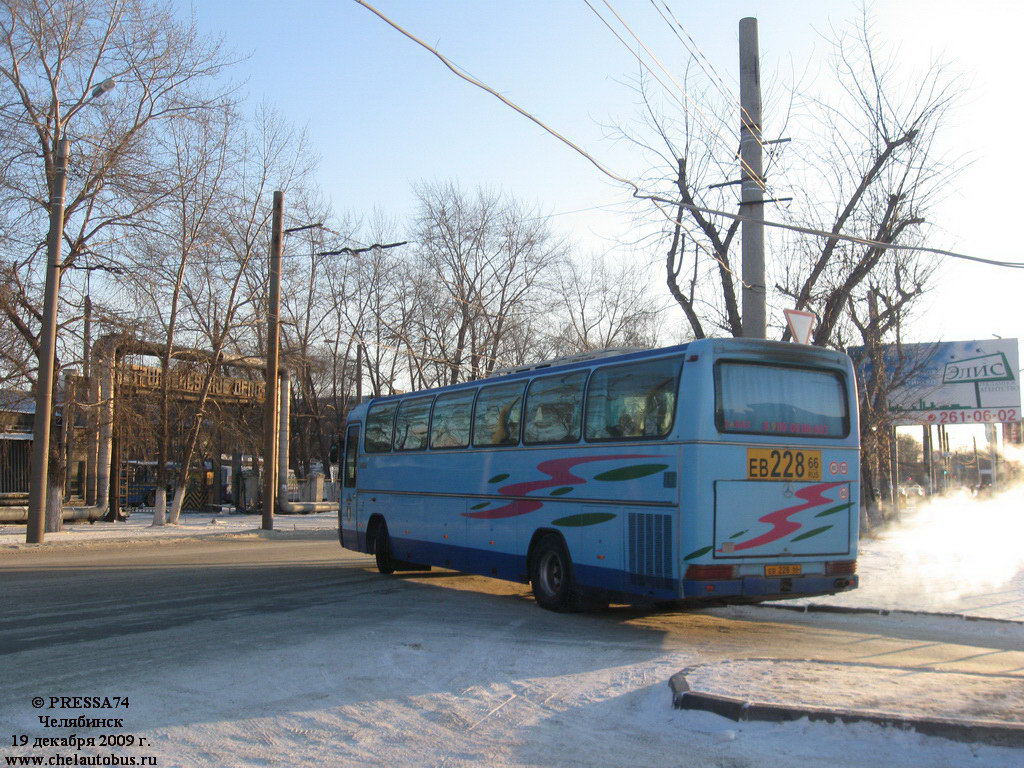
<point>97,597</point>
<point>156,619</point>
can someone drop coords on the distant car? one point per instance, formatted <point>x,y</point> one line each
<point>913,489</point>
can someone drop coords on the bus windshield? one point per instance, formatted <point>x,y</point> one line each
<point>759,399</point>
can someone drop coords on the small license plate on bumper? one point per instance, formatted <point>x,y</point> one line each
<point>783,464</point>
<point>782,570</point>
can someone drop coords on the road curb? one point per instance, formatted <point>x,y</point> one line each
<point>740,710</point>
<point>825,608</point>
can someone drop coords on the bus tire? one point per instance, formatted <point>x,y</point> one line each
<point>382,549</point>
<point>551,575</point>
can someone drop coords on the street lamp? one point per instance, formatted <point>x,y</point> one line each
<point>38,488</point>
<point>104,87</point>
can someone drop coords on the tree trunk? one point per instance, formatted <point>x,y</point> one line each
<point>160,504</point>
<point>179,498</point>
<point>53,514</point>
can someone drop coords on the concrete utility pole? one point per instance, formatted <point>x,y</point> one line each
<point>271,404</point>
<point>47,353</point>
<point>751,194</point>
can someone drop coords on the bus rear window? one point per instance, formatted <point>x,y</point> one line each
<point>759,399</point>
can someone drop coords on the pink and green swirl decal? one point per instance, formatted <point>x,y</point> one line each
<point>560,476</point>
<point>812,496</point>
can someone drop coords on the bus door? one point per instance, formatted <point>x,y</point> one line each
<point>348,509</point>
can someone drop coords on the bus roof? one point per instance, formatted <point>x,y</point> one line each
<point>538,369</point>
<point>780,349</point>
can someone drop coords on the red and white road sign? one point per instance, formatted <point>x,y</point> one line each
<point>801,324</point>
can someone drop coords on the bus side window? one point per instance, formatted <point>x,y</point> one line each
<point>498,414</point>
<point>553,409</point>
<point>453,413</point>
<point>411,424</point>
<point>380,426</point>
<point>637,400</point>
<point>351,455</point>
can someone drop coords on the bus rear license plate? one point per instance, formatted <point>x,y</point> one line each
<point>782,570</point>
<point>783,464</point>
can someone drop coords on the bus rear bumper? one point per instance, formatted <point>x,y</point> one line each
<point>764,588</point>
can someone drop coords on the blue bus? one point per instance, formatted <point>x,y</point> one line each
<point>723,470</point>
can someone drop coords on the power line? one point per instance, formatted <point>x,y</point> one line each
<point>706,125</point>
<point>694,49</point>
<point>459,72</point>
<point>854,239</point>
<point>657,200</point>
<point>697,54</point>
<point>357,251</point>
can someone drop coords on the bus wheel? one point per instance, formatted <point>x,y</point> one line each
<point>382,549</point>
<point>551,575</point>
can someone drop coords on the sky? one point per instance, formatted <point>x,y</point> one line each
<point>383,114</point>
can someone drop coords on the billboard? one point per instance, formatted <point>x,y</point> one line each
<point>949,382</point>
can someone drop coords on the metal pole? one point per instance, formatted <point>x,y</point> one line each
<point>47,352</point>
<point>926,447</point>
<point>271,404</point>
<point>993,452</point>
<point>977,463</point>
<point>67,431</point>
<point>751,189</point>
<point>359,373</point>
<point>894,471</point>
<point>284,415</point>
<point>91,398</point>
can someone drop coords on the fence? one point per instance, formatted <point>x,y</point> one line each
<point>15,453</point>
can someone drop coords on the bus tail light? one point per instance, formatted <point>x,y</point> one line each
<point>840,568</point>
<point>707,572</point>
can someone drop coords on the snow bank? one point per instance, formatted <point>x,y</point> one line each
<point>139,528</point>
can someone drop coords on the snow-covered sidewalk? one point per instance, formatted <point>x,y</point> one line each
<point>139,528</point>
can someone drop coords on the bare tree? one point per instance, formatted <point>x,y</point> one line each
<point>55,58</point>
<point>872,172</point>
<point>883,174</point>
<point>167,241</point>
<point>486,258</point>
<point>601,306</point>
<point>223,293</point>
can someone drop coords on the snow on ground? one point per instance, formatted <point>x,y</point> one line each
<point>864,687</point>
<point>431,688</point>
<point>139,528</point>
<point>441,690</point>
<point>957,553</point>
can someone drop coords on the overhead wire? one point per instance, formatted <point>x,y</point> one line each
<point>707,126</point>
<point>459,72</point>
<point>695,51</point>
<point>746,118</point>
<point>658,200</point>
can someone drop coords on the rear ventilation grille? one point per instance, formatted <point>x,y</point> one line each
<point>650,548</point>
